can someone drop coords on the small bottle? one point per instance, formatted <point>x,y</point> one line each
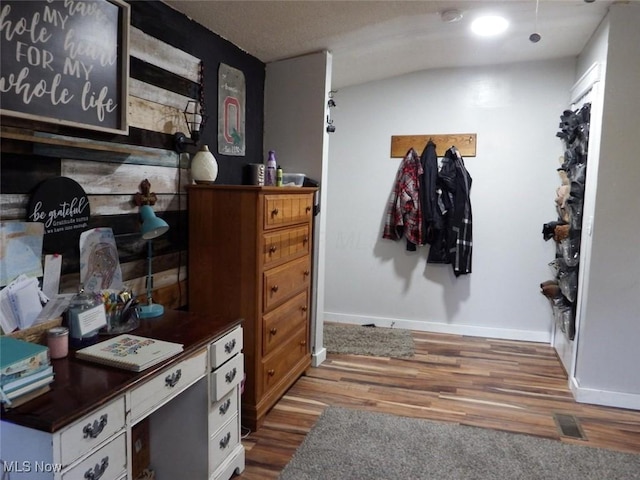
<point>279,176</point>
<point>270,174</point>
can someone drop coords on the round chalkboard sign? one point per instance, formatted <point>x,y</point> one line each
<point>63,206</point>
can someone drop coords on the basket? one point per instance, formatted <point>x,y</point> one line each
<point>37,333</point>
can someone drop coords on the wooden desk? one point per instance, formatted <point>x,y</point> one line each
<point>88,415</point>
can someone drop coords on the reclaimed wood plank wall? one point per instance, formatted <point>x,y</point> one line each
<point>165,49</point>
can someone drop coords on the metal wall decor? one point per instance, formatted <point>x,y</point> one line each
<point>195,117</point>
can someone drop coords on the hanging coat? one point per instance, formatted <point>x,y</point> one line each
<point>455,245</point>
<point>428,193</point>
<point>404,210</point>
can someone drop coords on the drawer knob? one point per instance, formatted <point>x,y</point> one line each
<point>274,288</point>
<point>303,342</point>
<point>306,273</point>
<point>93,430</point>
<point>97,471</point>
<point>304,308</point>
<point>224,443</point>
<point>271,372</point>
<point>308,209</point>
<point>229,346</point>
<point>224,408</point>
<point>274,212</point>
<point>273,331</point>
<point>173,379</point>
<point>305,239</point>
<point>229,376</point>
<point>272,249</point>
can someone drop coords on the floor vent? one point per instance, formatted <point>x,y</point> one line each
<point>569,426</point>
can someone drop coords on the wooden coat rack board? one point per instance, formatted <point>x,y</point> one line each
<point>464,142</point>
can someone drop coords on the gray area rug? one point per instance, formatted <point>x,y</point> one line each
<point>372,341</point>
<point>348,444</point>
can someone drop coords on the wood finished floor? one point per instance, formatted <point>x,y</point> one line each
<point>501,384</point>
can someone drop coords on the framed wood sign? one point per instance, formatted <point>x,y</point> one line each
<point>66,62</point>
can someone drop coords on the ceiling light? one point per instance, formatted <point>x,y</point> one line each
<point>489,26</point>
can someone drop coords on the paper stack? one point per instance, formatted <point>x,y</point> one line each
<point>25,371</point>
<point>20,303</point>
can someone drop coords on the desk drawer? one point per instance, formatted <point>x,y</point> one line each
<point>283,281</point>
<point>279,324</point>
<point>88,432</point>
<point>167,384</point>
<point>222,443</point>
<point>223,410</point>
<point>224,348</point>
<point>108,463</point>
<point>226,377</point>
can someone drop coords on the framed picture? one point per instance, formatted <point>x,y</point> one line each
<point>66,62</point>
<point>231,114</point>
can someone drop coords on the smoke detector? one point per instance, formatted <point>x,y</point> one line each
<point>451,16</point>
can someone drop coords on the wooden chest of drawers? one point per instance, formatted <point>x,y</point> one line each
<point>250,256</point>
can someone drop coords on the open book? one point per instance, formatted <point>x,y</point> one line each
<point>130,352</point>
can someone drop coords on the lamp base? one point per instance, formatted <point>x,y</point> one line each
<point>151,311</point>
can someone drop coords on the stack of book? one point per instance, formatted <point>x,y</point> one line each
<point>25,371</point>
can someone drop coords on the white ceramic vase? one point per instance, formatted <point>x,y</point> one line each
<point>204,167</point>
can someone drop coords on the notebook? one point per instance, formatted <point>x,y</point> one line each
<point>24,389</point>
<point>20,356</point>
<point>27,397</point>
<point>11,383</point>
<point>25,392</point>
<point>130,352</point>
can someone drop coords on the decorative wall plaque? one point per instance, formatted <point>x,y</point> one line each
<point>231,114</point>
<point>63,206</point>
<point>66,62</point>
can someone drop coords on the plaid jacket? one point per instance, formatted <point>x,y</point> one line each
<point>457,182</point>
<point>404,211</point>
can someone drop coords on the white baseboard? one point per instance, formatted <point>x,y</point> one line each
<point>604,397</point>
<point>318,357</point>
<point>435,327</point>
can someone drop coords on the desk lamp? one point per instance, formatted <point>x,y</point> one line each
<point>152,227</point>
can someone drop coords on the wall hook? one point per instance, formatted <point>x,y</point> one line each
<point>330,126</point>
<point>331,103</point>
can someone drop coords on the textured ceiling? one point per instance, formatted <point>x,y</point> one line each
<point>371,40</point>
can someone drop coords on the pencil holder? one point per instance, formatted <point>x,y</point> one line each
<point>120,310</point>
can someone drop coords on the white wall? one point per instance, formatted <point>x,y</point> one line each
<point>295,102</point>
<point>514,110</point>
<point>608,352</point>
<point>296,95</point>
<point>595,50</point>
